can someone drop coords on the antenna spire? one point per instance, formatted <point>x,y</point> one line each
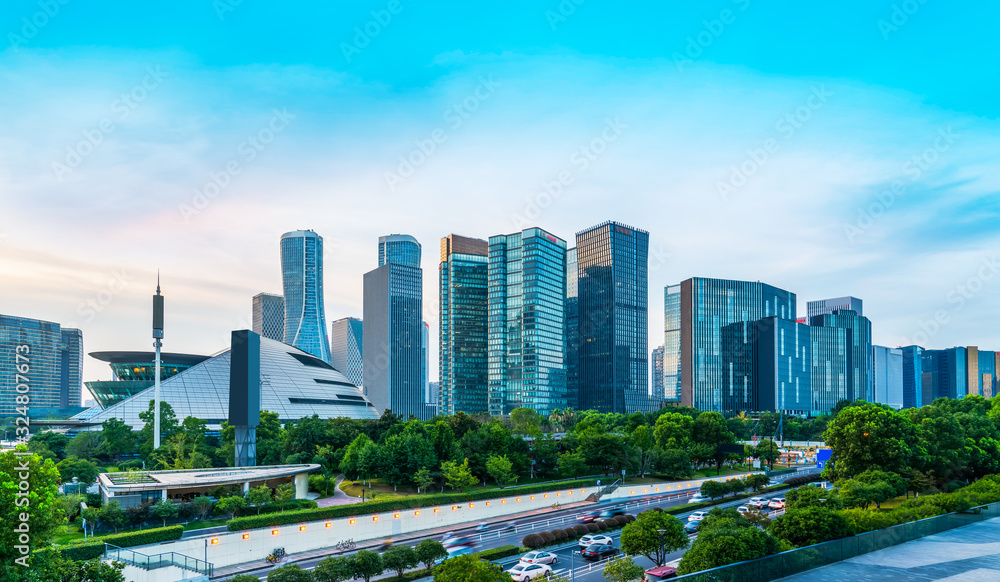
<point>157,281</point>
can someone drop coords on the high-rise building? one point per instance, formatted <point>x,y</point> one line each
<point>302,276</point>
<point>613,270</point>
<point>463,279</point>
<point>945,374</point>
<point>392,353</point>
<point>672,343</point>
<point>828,306</point>
<point>42,360</point>
<point>527,322</point>
<point>347,348</point>
<point>425,361</point>
<point>888,365</point>
<point>269,316</point>
<point>707,308</point>
<point>860,371</point>
<point>572,331</point>
<point>986,378</point>
<point>657,374</point>
<point>399,249</point>
<point>913,377</point>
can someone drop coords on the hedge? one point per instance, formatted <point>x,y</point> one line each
<point>544,539</point>
<point>390,505</point>
<point>95,549</point>
<point>499,553</point>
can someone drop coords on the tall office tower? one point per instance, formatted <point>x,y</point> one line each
<point>828,306</point>
<point>393,358</point>
<point>425,361</point>
<point>53,360</point>
<point>860,371</point>
<point>672,343</point>
<point>269,316</point>
<point>572,331</point>
<point>657,372</point>
<point>347,348</point>
<point>707,306</point>
<point>527,322</point>
<point>398,249</point>
<point>613,268</point>
<point>945,374</point>
<point>983,382</point>
<point>435,391</point>
<point>888,365</point>
<point>302,276</point>
<point>913,377</point>
<point>463,279</point>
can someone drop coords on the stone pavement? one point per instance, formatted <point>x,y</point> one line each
<point>338,497</point>
<point>967,554</point>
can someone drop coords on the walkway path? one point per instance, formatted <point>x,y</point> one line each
<point>338,497</point>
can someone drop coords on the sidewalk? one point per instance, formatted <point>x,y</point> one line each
<point>258,566</point>
<point>338,497</point>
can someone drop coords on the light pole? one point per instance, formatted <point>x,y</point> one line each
<point>662,555</point>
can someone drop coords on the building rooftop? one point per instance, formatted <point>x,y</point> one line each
<point>152,480</point>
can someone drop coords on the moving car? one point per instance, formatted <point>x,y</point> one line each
<point>595,540</point>
<point>692,527</point>
<point>523,572</point>
<point>483,526</point>
<point>609,513</point>
<point>661,573</point>
<point>777,503</point>
<point>744,510</point>
<point>539,558</point>
<point>454,541</point>
<point>598,552</point>
<point>757,502</point>
<point>698,498</point>
<point>589,517</point>
<point>698,516</point>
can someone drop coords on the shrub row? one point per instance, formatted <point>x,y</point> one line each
<point>547,538</point>
<point>499,553</point>
<point>95,549</point>
<point>389,505</point>
<point>799,481</point>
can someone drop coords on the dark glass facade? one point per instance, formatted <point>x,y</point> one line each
<point>399,249</point>
<point>463,343</point>
<point>712,350</point>
<point>913,377</point>
<point>613,270</point>
<point>527,322</point>
<point>656,369</point>
<point>861,368</point>
<point>54,359</point>
<point>302,278</point>
<point>572,331</point>
<point>945,373</point>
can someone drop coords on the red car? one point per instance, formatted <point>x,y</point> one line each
<point>589,517</point>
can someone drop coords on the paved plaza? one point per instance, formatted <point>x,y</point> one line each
<point>966,554</point>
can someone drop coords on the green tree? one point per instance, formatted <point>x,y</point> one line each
<point>676,464</point>
<point>49,441</point>
<point>714,489</point>
<point>334,570</point>
<point>810,526</point>
<point>673,431</point>
<point>711,429</point>
<point>367,564</point>
<point>399,559</point>
<point>258,496</point>
<point>290,573</point>
<point>654,534</point>
<point>572,464</point>
<point>86,445</point>
<point>869,436</point>
<point>646,454</point>
<point>757,482</point>
<point>623,569</point>
<point>284,494</point>
<point>82,469</point>
<point>727,543</point>
<point>203,505</point>
<point>119,440</point>
<point>526,421</point>
<point>809,496</point>
<point>165,509</point>
<point>468,568</point>
<point>501,469</point>
<point>70,505</point>
<point>458,476</point>
<point>246,578</point>
<point>52,568</point>
<point>423,480</point>
<point>430,551</point>
<point>767,451</point>
<point>113,515</point>
<point>168,428</point>
<point>230,505</point>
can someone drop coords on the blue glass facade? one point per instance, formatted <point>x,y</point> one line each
<point>888,363</point>
<point>347,348</point>
<point>399,249</point>
<point>861,370</point>
<point>656,369</point>
<point>672,343</point>
<point>707,308</point>
<point>613,271</point>
<point>463,295</point>
<point>54,377</point>
<point>572,331</point>
<point>987,377</point>
<point>913,377</point>
<point>945,373</point>
<point>269,316</point>
<point>527,322</point>
<point>302,277</point>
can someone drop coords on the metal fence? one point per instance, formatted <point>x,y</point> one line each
<point>154,562</point>
<point>811,557</point>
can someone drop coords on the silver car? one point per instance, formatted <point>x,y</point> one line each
<point>539,558</point>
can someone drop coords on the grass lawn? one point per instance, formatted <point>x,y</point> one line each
<point>891,504</point>
<point>60,537</point>
<point>385,491</point>
<point>203,524</point>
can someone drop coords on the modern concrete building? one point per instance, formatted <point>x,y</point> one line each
<point>302,276</point>
<point>613,275</point>
<point>527,322</point>
<point>269,316</point>
<point>462,293</point>
<point>347,348</point>
<point>134,372</point>
<point>53,358</point>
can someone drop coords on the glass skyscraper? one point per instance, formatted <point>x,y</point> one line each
<point>54,360</point>
<point>393,376</point>
<point>347,348</point>
<point>672,343</point>
<point>613,270</point>
<point>463,292</point>
<point>707,308</point>
<point>269,316</point>
<point>861,369</point>
<point>399,249</point>
<point>572,331</point>
<point>913,377</point>
<point>827,306</point>
<point>657,372</point>
<point>302,276</point>
<point>527,322</point>
<point>945,373</point>
<point>888,365</point>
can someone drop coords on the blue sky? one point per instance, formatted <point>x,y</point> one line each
<point>830,149</point>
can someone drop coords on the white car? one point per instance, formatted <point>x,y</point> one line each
<point>757,502</point>
<point>698,498</point>
<point>595,540</point>
<point>698,516</point>
<point>539,558</point>
<point>777,503</point>
<point>744,510</point>
<point>524,572</point>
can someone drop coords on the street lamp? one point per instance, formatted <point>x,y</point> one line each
<point>663,554</point>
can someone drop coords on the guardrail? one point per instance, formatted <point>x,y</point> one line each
<point>157,561</point>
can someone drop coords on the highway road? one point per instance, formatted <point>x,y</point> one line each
<point>569,564</point>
